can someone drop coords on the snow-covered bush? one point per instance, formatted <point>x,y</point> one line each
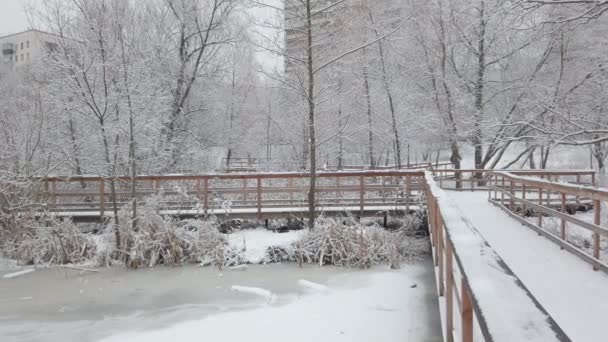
<point>51,242</point>
<point>353,245</point>
<point>157,239</point>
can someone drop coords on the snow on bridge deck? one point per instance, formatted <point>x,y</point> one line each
<point>574,295</point>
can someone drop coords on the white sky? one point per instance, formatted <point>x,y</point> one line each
<point>12,16</point>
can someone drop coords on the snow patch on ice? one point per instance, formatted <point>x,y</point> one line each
<point>18,273</point>
<point>313,286</point>
<point>254,243</point>
<point>266,294</point>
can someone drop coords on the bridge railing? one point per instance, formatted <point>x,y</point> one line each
<point>552,205</point>
<point>480,297</point>
<point>477,180</point>
<point>254,192</point>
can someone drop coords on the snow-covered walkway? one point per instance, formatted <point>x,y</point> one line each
<point>573,294</point>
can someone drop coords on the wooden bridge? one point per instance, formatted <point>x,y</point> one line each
<point>496,248</point>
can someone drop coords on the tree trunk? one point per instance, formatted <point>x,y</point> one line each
<point>340,140</point>
<point>369,119</point>
<point>311,120</point>
<point>479,89</point>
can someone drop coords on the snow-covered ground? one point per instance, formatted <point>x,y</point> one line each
<point>567,287</point>
<point>255,242</point>
<point>278,302</point>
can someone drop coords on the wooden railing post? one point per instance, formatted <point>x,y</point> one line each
<point>511,199</point>
<point>244,192</point>
<point>540,202</point>
<point>408,192</point>
<point>523,204</point>
<point>259,198</point>
<point>466,312</point>
<point>290,186</point>
<point>597,211</point>
<point>206,195</point>
<point>437,228</point>
<point>502,191</point>
<point>548,199</point>
<point>102,197</point>
<point>563,224</point>
<point>338,192</point>
<point>54,193</point>
<point>361,195</point>
<point>440,252</point>
<point>449,291</point>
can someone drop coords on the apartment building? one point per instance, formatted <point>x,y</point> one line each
<point>23,48</point>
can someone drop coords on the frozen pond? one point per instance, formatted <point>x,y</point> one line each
<point>68,305</point>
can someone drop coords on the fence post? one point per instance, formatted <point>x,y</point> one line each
<point>440,252</point>
<point>466,313</point>
<point>502,191</point>
<point>259,198</point>
<point>597,210</point>
<point>563,225</point>
<point>198,188</point>
<point>548,199</point>
<point>408,192</point>
<point>290,186</point>
<point>102,197</point>
<point>449,289</point>
<point>523,196</point>
<point>437,228</point>
<point>540,202</point>
<point>511,200</point>
<point>54,193</point>
<point>361,195</point>
<point>244,193</point>
<point>206,196</point>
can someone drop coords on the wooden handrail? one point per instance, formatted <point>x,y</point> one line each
<point>480,283</point>
<point>541,208</point>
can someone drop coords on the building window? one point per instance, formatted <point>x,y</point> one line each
<point>27,44</point>
<point>22,58</point>
<point>16,58</point>
<point>21,45</point>
<point>27,56</point>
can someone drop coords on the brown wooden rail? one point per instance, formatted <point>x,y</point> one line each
<point>464,179</point>
<point>358,191</point>
<point>476,287</point>
<point>523,197</point>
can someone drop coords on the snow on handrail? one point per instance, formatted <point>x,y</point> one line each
<point>590,191</point>
<point>503,306</point>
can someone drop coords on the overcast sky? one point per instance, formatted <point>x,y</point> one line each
<point>12,16</point>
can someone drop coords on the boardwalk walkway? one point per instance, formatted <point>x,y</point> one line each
<point>574,295</point>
